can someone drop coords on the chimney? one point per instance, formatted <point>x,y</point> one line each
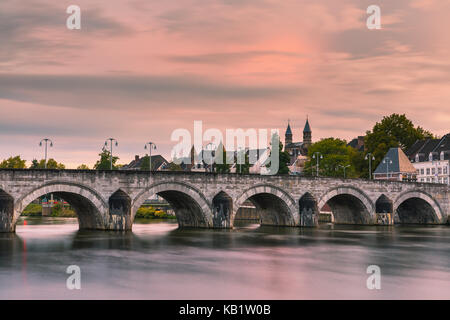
<point>136,157</point>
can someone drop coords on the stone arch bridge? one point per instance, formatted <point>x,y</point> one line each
<point>108,200</point>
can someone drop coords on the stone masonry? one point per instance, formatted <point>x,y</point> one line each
<point>108,200</point>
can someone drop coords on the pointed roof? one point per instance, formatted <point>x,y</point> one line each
<point>400,162</point>
<point>288,130</point>
<point>307,127</point>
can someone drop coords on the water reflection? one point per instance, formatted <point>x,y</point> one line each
<point>159,261</point>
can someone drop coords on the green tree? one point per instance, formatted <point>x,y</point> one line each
<point>13,163</point>
<point>283,156</point>
<point>335,153</point>
<point>83,167</point>
<point>221,167</point>
<point>51,164</point>
<point>393,131</point>
<point>243,168</point>
<point>104,163</point>
<point>145,165</point>
<point>175,167</point>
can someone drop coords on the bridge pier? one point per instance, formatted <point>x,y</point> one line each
<point>309,211</point>
<point>119,212</point>
<point>7,223</point>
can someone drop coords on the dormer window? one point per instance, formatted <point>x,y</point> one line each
<point>430,157</point>
<point>417,158</point>
<point>442,155</point>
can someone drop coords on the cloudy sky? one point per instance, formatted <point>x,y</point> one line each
<point>139,69</point>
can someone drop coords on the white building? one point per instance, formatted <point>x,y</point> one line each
<point>431,159</point>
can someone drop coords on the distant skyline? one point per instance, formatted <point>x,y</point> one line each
<point>139,69</point>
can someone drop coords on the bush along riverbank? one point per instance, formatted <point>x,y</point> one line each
<point>35,210</point>
<point>147,212</point>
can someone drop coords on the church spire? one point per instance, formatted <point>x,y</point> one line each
<point>288,134</point>
<point>307,134</point>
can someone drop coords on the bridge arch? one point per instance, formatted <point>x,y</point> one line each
<point>274,205</point>
<point>88,204</point>
<point>417,207</point>
<point>349,205</point>
<point>190,205</point>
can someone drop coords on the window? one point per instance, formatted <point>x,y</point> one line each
<point>417,158</point>
<point>430,157</point>
<point>442,155</point>
<point>422,171</point>
<point>433,170</point>
<point>445,170</point>
<point>439,170</point>
<point>428,171</point>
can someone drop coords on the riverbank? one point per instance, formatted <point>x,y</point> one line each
<point>145,212</point>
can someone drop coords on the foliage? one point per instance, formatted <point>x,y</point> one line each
<point>393,131</point>
<point>33,209</point>
<point>284,158</point>
<point>335,153</point>
<point>221,167</point>
<point>13,163</point>
<point>59,210</point>
<point>149,212</point>
<point>175,167</point>
<point>83,167</point>
<point>243,168</point>
<point>51,164</point>
<point>104,163</point>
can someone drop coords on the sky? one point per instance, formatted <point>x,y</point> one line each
<point>139,69</point>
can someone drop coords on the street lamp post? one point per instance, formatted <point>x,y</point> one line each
<point>316,156</point>
<point>388,161</point>
<point>151,146</point>
<point>111,140</point>
<point>343,167</point>
<point>46,141</point>
<point>371,158</point>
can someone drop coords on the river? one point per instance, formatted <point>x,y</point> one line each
<point>159,261</point>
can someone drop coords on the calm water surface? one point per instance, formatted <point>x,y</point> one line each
<point>158,261</point>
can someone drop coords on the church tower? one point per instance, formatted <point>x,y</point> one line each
<point>288,135</point>
<point>307,134</point>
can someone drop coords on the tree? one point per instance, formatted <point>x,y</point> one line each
<point>13,163</point>
<point>335,153</point>
<point>283,156</point>
<point>175,167</point>
<point>51,164</point>
<point>145,165</point>
<point>243,168</point>
<point>83,167</point>
<point>104,163</point>
<point>393,131</point>
<point>221,167</point>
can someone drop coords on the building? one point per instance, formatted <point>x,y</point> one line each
<point>357,143</point>
<point>297,149</point>
<point>158,163</point>
<point>395,166</point>
<point>431,159</point>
